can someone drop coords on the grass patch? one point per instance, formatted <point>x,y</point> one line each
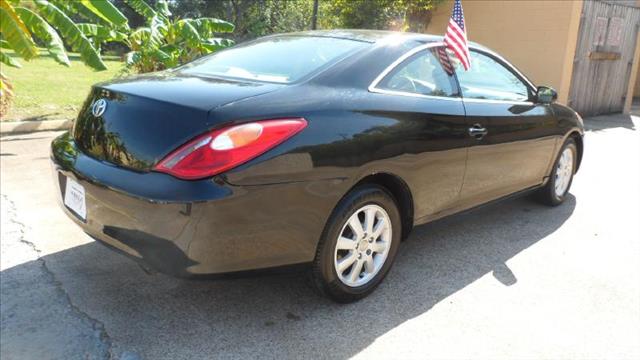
<point>46,90</point>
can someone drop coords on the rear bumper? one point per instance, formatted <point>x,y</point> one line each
<point>187,228</point>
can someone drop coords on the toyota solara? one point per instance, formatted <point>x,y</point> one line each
<point>316,149</point>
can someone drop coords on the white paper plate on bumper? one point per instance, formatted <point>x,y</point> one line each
<point>74,198</point>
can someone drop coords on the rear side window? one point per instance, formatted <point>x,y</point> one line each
<point>422,74</point>
<point>282,59</point>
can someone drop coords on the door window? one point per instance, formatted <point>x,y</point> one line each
<point>421,74</point>
<point>488,79</point>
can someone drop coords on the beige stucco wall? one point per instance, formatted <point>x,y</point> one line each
<point>633,90</point>
<point>539,37</point>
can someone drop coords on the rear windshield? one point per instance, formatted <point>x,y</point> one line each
<point>282,59</point>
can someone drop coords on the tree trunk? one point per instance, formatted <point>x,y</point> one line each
<point>314,17</point>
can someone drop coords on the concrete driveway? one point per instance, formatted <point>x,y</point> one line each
<point>514,280</point>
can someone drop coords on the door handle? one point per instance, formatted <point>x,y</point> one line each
<point>477,131</point>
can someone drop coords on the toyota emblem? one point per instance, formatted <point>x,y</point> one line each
<point>98,108</point>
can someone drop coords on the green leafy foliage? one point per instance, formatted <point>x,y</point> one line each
<point>357,14</point>
<point>163,42</point>
<point>45,32</point>
<point>72,34</point>
<point>412,15</point>
<point>142,8</point>
<point>209,26</point>
<point>6,59</point>
<point>254,18</point>
<point>167,43</point>
<point>251,18</point>
<point>15,32</point>
<point>99,34</point>
<point>106,11</point>
<point>78,10</point>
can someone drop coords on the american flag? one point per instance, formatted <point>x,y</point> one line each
<point>442,56</point>
<point>456,36</point>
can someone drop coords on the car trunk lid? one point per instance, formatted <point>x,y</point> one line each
<point>146,117</point>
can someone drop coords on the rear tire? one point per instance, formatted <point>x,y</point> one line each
<point>358,245</point>
<point>555,191</point>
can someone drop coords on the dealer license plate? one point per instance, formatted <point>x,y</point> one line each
<point>74,198</point>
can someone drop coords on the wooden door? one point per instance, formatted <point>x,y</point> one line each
<point>603,59</point>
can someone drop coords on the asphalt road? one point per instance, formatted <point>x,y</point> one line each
<point>513,280</point>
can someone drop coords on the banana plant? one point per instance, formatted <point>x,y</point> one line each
<point>50,22</point>
<point>99,34</point>
<point>166,42</point>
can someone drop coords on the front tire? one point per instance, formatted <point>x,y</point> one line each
<point>358,245</point>
<point>555,191</point>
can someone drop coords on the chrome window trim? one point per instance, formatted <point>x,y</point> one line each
<point>502,61</point>
<point>409,94</point>
<point>492,101</point>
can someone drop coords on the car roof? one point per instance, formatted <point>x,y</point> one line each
<point>383,38</point>
<point>376,36</point>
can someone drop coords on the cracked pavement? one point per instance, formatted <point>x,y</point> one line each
<point>43,297</point>
<point>513,280</point>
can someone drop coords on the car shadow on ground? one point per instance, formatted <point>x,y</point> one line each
<point>156,316</point>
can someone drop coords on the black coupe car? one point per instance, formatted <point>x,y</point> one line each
<point>320,148</point>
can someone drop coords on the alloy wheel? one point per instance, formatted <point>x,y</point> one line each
<point>564,172</point>
<point>363,245</point>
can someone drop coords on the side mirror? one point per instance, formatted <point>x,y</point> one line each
<point>546,95</point>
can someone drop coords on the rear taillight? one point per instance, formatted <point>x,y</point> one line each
<point>223,149</point>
